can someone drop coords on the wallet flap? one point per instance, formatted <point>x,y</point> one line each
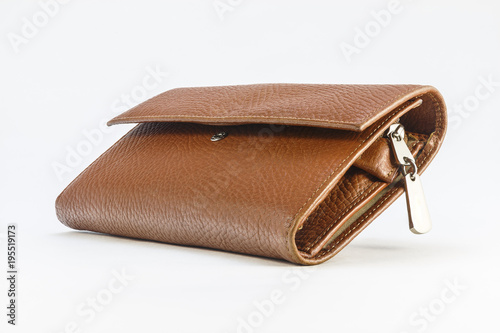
<point>348,107</point>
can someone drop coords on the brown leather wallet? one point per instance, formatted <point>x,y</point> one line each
<point>290,171</point>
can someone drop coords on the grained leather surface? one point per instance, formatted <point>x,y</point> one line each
<point>330,106</point>
<point>299,161</point>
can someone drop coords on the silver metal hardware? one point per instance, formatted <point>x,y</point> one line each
<point>411,167</point>
<point>219,136</point>
<point>418,213</point>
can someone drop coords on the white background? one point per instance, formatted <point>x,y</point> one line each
<point>69,75</point>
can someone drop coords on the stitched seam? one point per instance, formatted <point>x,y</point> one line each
<point>236,117</point>
<point>438,125</point>
<point>389,194</point>
<point>288,223</point>
<point>360,197</point>
<point>317,212</point>
<point>264,117</point>
<point>417,136</point>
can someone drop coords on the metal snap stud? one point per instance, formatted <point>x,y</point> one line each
<point>219,136</point>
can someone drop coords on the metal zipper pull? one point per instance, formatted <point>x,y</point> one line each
<point>418,213</point>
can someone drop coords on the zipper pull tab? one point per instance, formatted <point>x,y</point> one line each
<point>418,213</point>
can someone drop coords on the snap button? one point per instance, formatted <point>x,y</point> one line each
<point>219,136</point>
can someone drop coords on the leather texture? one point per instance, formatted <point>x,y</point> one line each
<point>303,169</point>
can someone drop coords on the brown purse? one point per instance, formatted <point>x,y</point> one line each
<point>290,171</point>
